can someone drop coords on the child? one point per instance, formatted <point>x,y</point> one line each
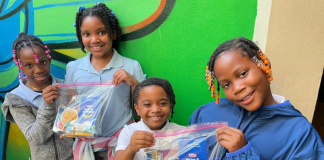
<point>153,101</point>
<point>98,31</point>
<point>25,104</point>
<point>262,125</point>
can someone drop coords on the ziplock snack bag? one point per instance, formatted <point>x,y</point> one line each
<point>80,115</point>
<point>189,143</point>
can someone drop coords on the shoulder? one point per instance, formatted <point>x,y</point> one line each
<point>132,127</point>
<point>128,61</point>
<point>175,126</point>
<point>75,63</point>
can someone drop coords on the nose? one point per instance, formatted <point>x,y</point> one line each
<point>39,68</point>
<point>95,39</point>
<point>156,108</point>
<point>237,88</point>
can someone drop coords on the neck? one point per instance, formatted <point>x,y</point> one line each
<point>38,87</point>
<point>101,62</point>
<point>269,100</point>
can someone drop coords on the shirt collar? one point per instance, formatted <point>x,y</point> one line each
<point>29,92</point>
<point>165,128</point>
<point>115,62</point>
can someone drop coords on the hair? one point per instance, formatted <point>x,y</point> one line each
<point>24,40</point>
<point>108,18</point>
<point>165,84</point>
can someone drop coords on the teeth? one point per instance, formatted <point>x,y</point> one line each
<point>246,97</point>
<point>96,47</point>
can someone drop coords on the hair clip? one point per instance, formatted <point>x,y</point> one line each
<point>97,3</point>
<point>73,24</point>
<point>81,8</point>
<point>113,13</point>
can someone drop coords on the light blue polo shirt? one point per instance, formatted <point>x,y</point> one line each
<point>28,94</point>
<point>119,111</point>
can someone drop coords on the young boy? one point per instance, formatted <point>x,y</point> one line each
<point>153,101</point>
<point>261,125</point>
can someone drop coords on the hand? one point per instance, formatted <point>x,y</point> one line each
<point>50,93</point>
<point>141,139</point>
<point>231,138</point>
<point>121,76</point>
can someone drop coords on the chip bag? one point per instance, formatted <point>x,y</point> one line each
<point>81,107</point>
<point>189,143</point>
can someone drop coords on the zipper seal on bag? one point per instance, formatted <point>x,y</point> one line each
<point>85,84</point>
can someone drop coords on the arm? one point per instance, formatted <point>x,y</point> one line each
<point>139,140</point>
<point>36,128</point>
<point>245,153</point>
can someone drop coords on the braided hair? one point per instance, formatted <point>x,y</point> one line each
<point>246,46</point>
<point>108,18</point>
<point>24,40</point>
<point>165,84</point>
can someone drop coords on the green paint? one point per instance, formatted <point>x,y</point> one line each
<point>58,63</point>
<point>10,74</point>
<point>22,21</point>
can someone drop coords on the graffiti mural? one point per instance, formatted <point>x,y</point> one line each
<point>171,39</point>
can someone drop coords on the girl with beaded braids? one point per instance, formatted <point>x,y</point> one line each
<point>25,104</point>
<point>261,125</point>
<point>98,31</point>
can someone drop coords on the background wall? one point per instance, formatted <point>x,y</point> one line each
<point>294,45</point>
<point>171,39</point>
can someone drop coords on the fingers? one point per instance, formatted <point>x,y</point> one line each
<point>50,93</point>
<point>141,139</point>
<point>121,76</point>
<point>231,138</point>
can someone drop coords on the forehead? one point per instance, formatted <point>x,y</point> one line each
<point>152,92</point>
<point>91,23</point>
<point>28,52</point>
<point>228,62</point>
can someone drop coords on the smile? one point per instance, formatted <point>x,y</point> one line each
<point>40,78</point>
<point>155,117</point>
<point>247,99</point>
<point>96,47</point>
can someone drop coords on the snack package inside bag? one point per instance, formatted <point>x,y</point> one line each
<point>188,143</point>
<point>81,107</point>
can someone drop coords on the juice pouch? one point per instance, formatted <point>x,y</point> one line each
<point>81,107</point>
<point>188,143</point>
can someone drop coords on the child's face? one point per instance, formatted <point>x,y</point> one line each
<point>153,106</point>
<point>38,73</point>
<point>242,81</point>
<point>95,37</point>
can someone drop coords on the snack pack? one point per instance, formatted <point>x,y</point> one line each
<point>189,143</point>
<point>80,115</point>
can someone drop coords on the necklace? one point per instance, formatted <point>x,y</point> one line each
<point>33,88</point>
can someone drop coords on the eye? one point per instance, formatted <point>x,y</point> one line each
<point>102,33</point>
<point>163,103</point>
<point>85,34</point>
<point>226,85</point>
<point>43,62</point>
<point>146,104</point>
<point>243,74</point>
<point>29,65</point>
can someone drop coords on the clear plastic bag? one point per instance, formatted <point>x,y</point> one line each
<point>81,107</point>
<point>187,143</point>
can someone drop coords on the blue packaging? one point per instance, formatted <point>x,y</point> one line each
<point>198,152</point>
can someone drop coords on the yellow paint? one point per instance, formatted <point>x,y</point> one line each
<point>75,53</point>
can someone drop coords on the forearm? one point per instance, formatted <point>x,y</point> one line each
<point>126,154</point>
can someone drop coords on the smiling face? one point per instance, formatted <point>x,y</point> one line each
<point>38,73</point>
<point>95,37</point>
<point>153,106</point>
<point>242,81</point>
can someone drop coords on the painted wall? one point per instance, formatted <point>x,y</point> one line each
<point>171,39</point>
<point>294,44</point>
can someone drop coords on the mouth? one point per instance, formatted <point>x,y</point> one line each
<point>41,78</point>
<point>247,98</point>
<point>96,48</point>
<point>155,118</point>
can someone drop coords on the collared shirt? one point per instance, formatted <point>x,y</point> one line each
<point>127,132</point>
<point>28,94</point>
<point>118,112</point>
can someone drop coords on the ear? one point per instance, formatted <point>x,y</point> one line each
<point>137,109</point>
